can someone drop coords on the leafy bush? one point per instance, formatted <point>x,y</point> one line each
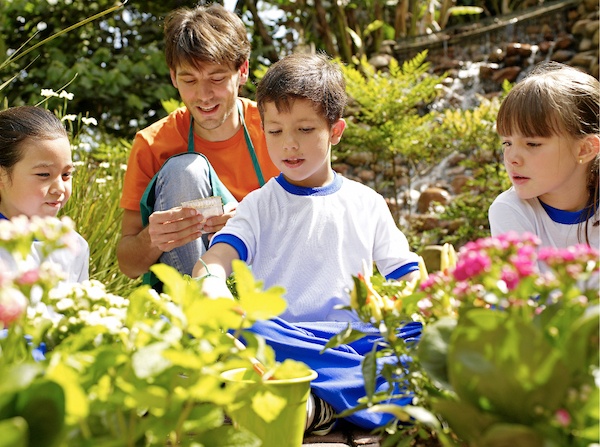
<point>388,118</point>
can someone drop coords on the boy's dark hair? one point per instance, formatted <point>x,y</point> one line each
<point>205,34</point>
<point>23,123</point>
<point>304,76</point>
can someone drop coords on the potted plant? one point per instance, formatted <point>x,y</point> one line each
<point>509,353</point>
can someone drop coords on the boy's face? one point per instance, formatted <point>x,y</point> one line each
<point>41,182</point>
<point>210,94</point>
<point>299,142</point>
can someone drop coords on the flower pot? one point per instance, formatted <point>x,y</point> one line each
<point>287,427</point>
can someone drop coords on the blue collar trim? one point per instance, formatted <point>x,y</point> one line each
<point>564,217</point>
<point>332,188</point>
<point>2,216</point>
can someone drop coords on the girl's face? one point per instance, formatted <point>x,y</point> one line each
<point>41,182</point>
<point>299,142</point>
<point>547,168</point>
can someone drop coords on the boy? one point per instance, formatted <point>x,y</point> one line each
<point>310,230</point>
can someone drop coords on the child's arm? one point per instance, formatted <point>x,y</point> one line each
<point>214,267</point>
<point>412,276</point>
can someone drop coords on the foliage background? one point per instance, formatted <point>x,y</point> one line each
<point>116,64</point>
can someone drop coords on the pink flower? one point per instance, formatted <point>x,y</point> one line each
<point>12,305</point>
<point>563,417</point>
<point>29,277</point>
<point>470,264</point>
<point>510,278</point>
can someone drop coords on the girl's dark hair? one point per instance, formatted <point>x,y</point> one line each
<point>20,124</point>
<point>556,99</point>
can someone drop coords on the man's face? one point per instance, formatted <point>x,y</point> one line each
<point>210,93</point>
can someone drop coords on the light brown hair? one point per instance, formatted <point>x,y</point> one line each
<point>205,34</point>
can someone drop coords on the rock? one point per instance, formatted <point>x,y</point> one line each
<point>459,183</point>
<point>563,55</point>
<point>366,175</point>
<point>506,73</point>
<point>431,255</point>
<point>431,195</point>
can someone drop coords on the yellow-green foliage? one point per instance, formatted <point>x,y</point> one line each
<point>94,207</point>
<point>389,109</point>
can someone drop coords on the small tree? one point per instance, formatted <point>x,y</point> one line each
<point>391,119</point>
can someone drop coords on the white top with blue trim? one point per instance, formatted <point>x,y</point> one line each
<point>73,261</point>
<point>556,228</point>
<point>313,240</point>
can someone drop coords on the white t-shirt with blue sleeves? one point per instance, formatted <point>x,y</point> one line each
<point>313,240</point>
<point>555,228</point>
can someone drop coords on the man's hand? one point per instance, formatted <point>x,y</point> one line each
<point>175,227</point>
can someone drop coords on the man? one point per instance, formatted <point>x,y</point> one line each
<point>207,51</point>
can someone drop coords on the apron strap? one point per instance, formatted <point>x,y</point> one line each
<point>249,145</point>
<point>259,175</point>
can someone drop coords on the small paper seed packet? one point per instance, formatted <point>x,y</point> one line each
<point>208,207</point>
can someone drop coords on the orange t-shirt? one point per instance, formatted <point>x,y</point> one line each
<point>231,159</point>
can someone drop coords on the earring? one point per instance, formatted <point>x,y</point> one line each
<point>581,161</point>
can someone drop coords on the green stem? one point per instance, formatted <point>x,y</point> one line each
<point>66,30</point>
<point>187,409</point>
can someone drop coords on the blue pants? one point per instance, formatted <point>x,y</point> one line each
<point>182,178</point>
<point>340,381</point>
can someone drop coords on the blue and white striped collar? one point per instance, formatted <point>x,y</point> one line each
<point>326,190</point>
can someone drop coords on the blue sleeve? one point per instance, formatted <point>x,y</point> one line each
<point>234,241</point>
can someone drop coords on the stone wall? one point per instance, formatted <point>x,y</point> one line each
<point>566,31</point>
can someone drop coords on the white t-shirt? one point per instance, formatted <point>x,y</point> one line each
<point>73,261</point>
<point>313,240</point>
<point>555,228</point>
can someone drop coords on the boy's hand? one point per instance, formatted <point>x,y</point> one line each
<point>215,287</point>
<point>215,223</point>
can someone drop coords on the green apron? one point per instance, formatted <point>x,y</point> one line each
<point>219,189</point>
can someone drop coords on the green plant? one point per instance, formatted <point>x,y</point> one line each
<point>471,133</point>
<point>137,371</point>
<point>509,351</point>
<point>389,118</point>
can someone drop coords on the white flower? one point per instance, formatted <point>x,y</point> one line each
<point>65,94</point>
<point>48,92</point>
<point>89,121</point>
<point>70,117</point>
<point>104,165</point>
<point>65,304</point>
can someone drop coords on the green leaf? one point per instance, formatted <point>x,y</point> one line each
<point>14,432</point>
<point>581,348</point>
<point>42,405</point>
<point>502,364</point>
<point>76,399</point>
<point>267,405</point>
<point>369,370</point>
<point>291,369</point>
<point>348,335</point>
<point>432,349</point>
<point>256,303</point>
